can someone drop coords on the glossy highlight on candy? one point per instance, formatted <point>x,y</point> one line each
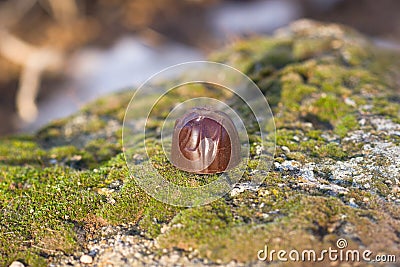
<point>205,141</point>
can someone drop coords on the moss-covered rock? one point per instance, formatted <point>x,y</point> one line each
<point>66,190</point>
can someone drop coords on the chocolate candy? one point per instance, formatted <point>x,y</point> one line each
<point>205,141</point>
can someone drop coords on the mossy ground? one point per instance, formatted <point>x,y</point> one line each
<point>60,185</point>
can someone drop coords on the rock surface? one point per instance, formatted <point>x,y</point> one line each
<point>65,193</point>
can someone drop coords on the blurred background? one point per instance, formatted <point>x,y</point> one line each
<point>57,55</point>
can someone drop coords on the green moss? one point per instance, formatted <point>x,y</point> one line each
<point>357,54</point>
<point>381,187</point>
<point>383,106</point>
<point>126,206</point>
<point>94,125</point>
<point>329,77</point>
<point>155,216</point>
<point>70,156</point>
<point>308,48</point>
<point>321,150</point>
<point>329,108</point>
<point>331,150</point>
<point>315,134</point>
<point>199,226</point>
<point>277,56</point>
<point>346,124</point>
<point>101,150</point>
<point>43,206</point>
<point>28,152</point>
<point>294,91</point>
<point>37,202</point>
<point>285,137</point>
<point>315,147</point>
<point>252,55</point>
<point>16,151</point>
<point>356,78</point>
<point>31,257</point>
<point>111,106</point>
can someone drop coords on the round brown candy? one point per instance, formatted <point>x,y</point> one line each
<point>205,141</point>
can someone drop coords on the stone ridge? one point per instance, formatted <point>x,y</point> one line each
<point>66,197</point>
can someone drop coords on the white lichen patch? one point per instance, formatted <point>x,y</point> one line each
<point>307,177</point>
<point>377,165</point>
<point>241,187</point>
<point>375,168</point>
<point>384,124</point>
